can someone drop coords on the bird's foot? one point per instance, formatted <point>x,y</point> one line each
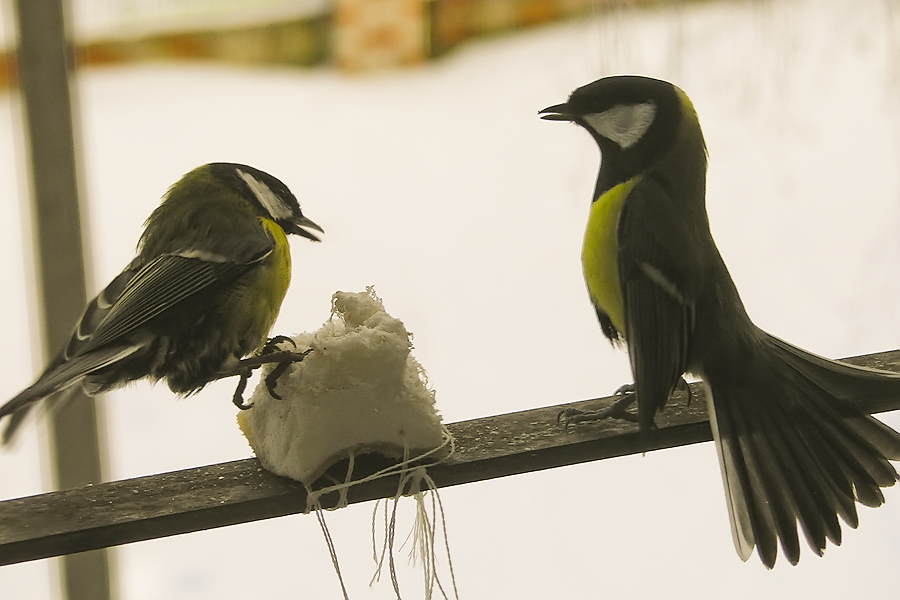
<point>616,410</point>
<point>270,354</point>
<point>625,390</point>
<point>271,348</point>
<point>238,397</point>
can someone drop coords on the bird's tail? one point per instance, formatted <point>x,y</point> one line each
<point>54,381</point>
<point>795,446</point>
<point>25,404</point>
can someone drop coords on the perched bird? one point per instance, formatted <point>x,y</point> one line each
<point>792,444</point>
<point>212,268</point>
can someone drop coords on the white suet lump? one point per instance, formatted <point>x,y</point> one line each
<point>358,391</point>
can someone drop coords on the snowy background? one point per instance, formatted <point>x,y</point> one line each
<point>442,188</point>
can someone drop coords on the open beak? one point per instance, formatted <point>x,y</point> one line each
<point>558,112</point>
<point>299,223</point>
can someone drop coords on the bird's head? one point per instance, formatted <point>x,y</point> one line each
<point>271,197</point>
<point>635,120</point>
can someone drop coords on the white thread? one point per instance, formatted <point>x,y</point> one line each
<point>424,529</point>
<point>329,541</point>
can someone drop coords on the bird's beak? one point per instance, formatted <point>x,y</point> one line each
<point>299,223</point>
<point>558,112</point>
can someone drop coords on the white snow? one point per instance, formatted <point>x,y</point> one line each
<point>442,187</point>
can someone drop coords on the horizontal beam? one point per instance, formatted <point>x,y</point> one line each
<point>167,504</point>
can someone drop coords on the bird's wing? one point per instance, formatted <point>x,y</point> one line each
<point>139,293</point>
<point>658,271</point>
<point>163,283</point>
<point>94,313</point>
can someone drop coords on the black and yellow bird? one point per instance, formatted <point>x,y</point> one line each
<point>792,443</point>
<point>212,268</point>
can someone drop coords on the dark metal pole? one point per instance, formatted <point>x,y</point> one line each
<point>45,62</point>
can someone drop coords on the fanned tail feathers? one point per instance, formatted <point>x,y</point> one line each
<point>794,449</point>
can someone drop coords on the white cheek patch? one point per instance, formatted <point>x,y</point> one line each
<point>269,199</point>
<point>624,124</point>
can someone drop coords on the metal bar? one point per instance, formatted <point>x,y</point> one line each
<point>242,491</point>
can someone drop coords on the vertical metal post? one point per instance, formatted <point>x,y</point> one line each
<point>45,61</point>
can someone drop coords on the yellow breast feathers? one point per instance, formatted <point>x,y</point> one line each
<point>600,254</point>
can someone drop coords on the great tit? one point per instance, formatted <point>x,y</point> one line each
<point>212,268</point>
<point>792,444</point>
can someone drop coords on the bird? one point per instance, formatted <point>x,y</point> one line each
<point>795,449</point>
<point>211,270</point>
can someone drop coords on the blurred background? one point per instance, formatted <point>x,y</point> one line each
<point>408,129</point>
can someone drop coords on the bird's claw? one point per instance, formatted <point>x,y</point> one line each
<point>616,410</point>
<point>272,345</point>
<point>685,387</point>
<point>280,368</point>
<point>624,390</point>
<point>238,397</point>
<point>270,354</point>
<point>270,348</point>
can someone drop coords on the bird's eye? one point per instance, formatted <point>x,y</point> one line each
<point>272,202</point>
<point>624,124</point>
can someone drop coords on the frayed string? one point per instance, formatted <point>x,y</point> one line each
<point>312,496</point>
<point>423,535</point>
<point>329,541</point>
<point>424,529</point>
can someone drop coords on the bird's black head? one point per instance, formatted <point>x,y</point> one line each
<point>272,198</point>
<point>635,121</point>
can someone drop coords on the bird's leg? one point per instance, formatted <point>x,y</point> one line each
<point>255,362</point>
<point>685,387</point>
<point>616,410</point>
<point>238,397</point>
<point>270,354</point>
